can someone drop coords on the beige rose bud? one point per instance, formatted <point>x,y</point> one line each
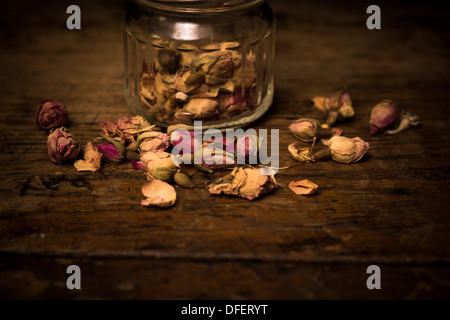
<point>347,150</point>
<point>158,165</point>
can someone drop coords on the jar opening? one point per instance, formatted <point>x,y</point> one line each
<point>199,6</point>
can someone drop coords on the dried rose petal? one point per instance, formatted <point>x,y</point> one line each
<point>92,159</point>
<point>303,187</point>
<point>347,150</point>
<point>300,154</point>
<point>248,183</point>
<point>51,114</point>
<point>158,193</point>
<point>201,108</point>
<point>62,145</point>
<point>407,120</point>
<point>382,117</point>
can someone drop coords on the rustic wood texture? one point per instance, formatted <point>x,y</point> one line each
<point>390,209</point>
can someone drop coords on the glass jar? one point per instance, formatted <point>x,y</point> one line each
<point>208,60</point>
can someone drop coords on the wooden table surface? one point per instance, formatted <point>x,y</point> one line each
<point>391,209</point>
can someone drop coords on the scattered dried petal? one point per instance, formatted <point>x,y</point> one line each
<point>300,154</point>
<point>158,193</point>
<point>248,183</point>
<point>303,187</point>
<point>92,159</point>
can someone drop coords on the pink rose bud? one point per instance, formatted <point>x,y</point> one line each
<point>305,129</point>
<point>51,114</point>
<point>347,150</point>
<point>62,145</point>
<point>113,151</point>
<point>151,141</point>
<point>382,117</point>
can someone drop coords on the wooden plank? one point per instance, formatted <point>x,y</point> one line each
<point>391,208</point>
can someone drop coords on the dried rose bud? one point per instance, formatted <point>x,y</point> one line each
<point>303,187</point>
<point>51,114</point>
<point>230,102</point>
<point>382,117</point>
<point>223,68</point>
<point>62,145</point>
<point>132,126</point>
<point>151,141</point>
<point>168,59</point>
<point>92,159</point>
<point>338,107</point>
<point>113,151</point>
<point>305,129</point>
<point>158,165</point>
<point>126,129</point>
<point>407,120</point>
<point>201,108</point>
<point>158,193</point>
<point>347,150</point>
<point>248,183</point>
<point>174,127</point>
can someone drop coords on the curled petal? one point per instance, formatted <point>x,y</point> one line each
<point>303,187</point>
<point>300,154</point>
<point>92,159</point>
<point>158,193</point>
<point>248,183</point>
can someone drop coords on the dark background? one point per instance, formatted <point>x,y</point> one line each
<point>390,209</point>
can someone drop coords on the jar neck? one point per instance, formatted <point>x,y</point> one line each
<point>199,6</point>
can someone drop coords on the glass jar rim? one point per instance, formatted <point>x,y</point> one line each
<point>199,6</point>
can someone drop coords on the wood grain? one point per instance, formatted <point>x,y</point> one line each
<point>390,209</point>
